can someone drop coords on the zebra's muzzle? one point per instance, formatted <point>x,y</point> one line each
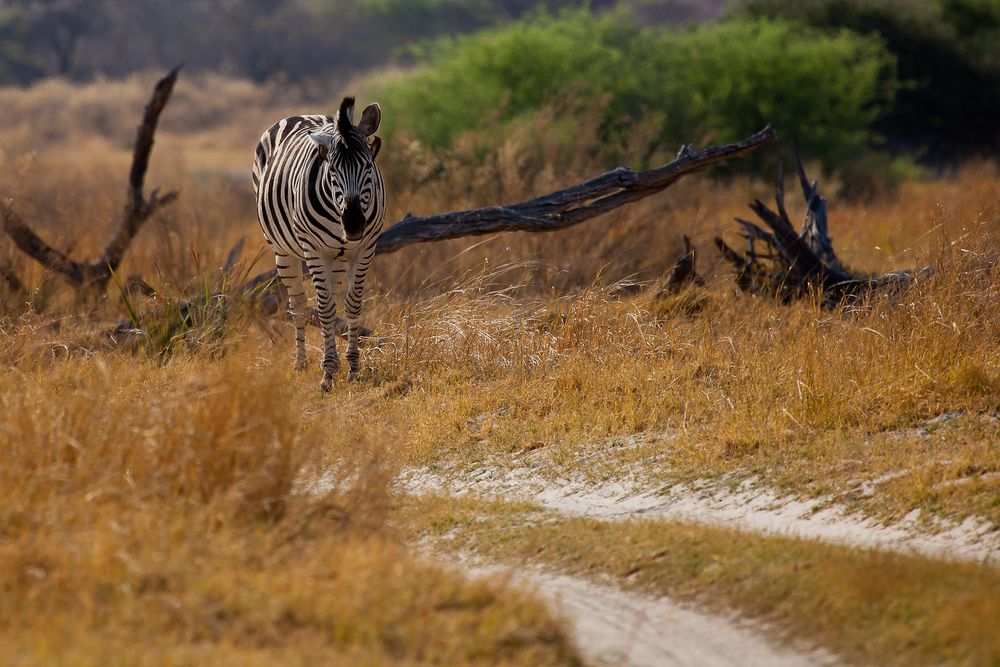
<point>353,219</point>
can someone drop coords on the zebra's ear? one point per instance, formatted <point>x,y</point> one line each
<point>370,119</point>
<point>376,145</point>
<point>324,141</point>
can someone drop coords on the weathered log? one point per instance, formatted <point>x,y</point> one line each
<point>794,265</point>
<point>137,210</point>
<point>567,207</point>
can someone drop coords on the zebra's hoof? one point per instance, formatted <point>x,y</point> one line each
<point>326,385</point>
<point>352,376</point>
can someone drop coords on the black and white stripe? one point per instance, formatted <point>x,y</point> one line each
<point>321,204</point>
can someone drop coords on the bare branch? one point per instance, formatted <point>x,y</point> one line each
<point>567,207</point>
<point>136,210</point>
<point>31,244</point>
<point>14,284</point>
<point>815,227</point>
<point>683,271</point>
<point>233,256</point>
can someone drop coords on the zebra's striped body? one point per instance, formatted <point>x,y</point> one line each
<point>321,203</point>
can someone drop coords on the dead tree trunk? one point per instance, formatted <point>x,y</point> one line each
<point>792,265</point>
<point>137,210</point>
<point>567,207</point>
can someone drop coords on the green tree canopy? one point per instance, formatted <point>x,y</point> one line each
<point>723,80</point>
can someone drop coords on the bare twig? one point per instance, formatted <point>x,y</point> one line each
<point>683,272</point>
<point>137,208</point>
<point>14,284</point>
<point>233,256</point>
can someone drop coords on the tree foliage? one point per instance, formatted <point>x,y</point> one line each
<point>948,55</point>
<point>718,81</point>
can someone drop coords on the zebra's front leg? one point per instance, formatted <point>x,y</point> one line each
<point>328,274</point>
<point>290,272</point>
<point>352,309</point>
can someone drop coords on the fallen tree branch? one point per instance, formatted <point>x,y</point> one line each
<point>567,207</point>
<point>137,209</point>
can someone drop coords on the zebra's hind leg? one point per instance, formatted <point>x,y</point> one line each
<point>328,276</point>
<point>290,272</point>
<point>352,309</point>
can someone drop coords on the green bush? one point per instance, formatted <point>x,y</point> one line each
<point>501,73</point>
<point>948,55</point>
<point>716,82</point>
<point>823,90</point>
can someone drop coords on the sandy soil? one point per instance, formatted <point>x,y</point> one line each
<point>747,508</point>
<point>612,627</point>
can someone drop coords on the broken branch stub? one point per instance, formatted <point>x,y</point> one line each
<point>798,264</point>
<point>137,209</point>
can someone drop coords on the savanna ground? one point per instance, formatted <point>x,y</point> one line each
<point>160,503</point>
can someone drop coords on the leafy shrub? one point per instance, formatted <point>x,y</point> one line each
<point>714,82</point>
<point>505,72</point>
<point>823,90</point>
<point>948,54</point>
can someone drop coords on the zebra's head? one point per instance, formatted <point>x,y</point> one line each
<point>354,180</point>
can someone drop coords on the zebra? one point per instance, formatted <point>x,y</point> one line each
<point>321,204</point>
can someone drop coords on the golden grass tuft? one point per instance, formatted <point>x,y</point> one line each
<point>165,514</point>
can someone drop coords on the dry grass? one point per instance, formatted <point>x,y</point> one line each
<point>157,515</point>
<point>813,401</point>
<point>164,488</point>
<point>513,343</point>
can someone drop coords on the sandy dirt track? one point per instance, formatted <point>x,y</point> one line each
<point>748,508</point>
<point>613,627</point>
